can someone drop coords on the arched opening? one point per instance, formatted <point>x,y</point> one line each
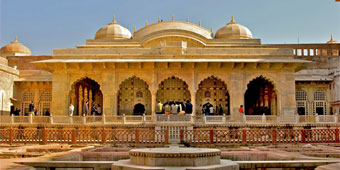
<point>173,90</point>
<point>301,102</point>
<point>27,99</point>
<point>319,102</point>
<point>133,91</point>
<point>212,92</point>
<point>260,97</point>
<point>84,94</point>
<point>138,109</point>
<point>45,103</point>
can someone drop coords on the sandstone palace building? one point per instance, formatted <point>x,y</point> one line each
<point>128,73</point>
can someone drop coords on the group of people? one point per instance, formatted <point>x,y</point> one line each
<point>93,111</point>
<point>208,109</point>
<point>32,110</point>
<point>174,107</point>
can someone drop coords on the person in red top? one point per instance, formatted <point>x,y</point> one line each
<point>240,109</point>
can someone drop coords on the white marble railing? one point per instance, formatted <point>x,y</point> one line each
<point>174,119</point>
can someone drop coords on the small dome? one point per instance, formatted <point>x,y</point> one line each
<point>113,31</point>
<point>234,30</point>
<point>332,41</point>
<point>15,47</point>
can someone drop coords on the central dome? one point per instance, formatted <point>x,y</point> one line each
<point>234,30</point>
<point>113,30</point>
<point>172,28</point>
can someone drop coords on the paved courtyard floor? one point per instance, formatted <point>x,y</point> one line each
<point>55,152</point>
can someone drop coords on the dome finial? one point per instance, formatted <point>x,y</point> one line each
<point>232,20</point>
<point>332,41</point>
<point>199,23</point>
<point>114,19</point>
<point>211,29</point>
<point>187,19</point>
<point>134,28</point>
<point>16,38</point>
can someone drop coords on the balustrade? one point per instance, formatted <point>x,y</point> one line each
<point>162,118</point>
<point>260,136</point>
<point>83,136</point>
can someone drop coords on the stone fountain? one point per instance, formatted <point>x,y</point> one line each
<point>175,158</point>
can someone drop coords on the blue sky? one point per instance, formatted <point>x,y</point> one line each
<point>43,25</point>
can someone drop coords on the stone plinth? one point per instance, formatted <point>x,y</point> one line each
<point>175,158</point>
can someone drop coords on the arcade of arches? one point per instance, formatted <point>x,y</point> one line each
<point>212,91</point>
<point>173,89</point>
<point>134,96</point>
<point>260,97</point>
<point>84,90</point>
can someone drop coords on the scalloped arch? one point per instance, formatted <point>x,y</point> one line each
<point>266,77</point>
<point>82,78</point>
<point>134,76</point>
<point>168,78</point>
<point>214,77</point>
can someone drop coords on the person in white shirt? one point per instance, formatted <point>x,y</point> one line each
<point>174,108</point>
<point>99,110</point>
<point>70,109</point>
<point>211,110</point>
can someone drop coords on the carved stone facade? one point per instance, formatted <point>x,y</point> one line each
<point>179,61</point>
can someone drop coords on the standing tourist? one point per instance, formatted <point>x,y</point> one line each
<point>93,110</point>
<point>188,107</point>
<point>86,108</point>
<point>220,111</point>
<point>31,108</point>
<point>70,109</point>
<point>99,110</point>
<point>241,109</point>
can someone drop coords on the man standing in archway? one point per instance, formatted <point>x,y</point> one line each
<point>86,108</point>
<point>188,107</point>
<point>71,109</point>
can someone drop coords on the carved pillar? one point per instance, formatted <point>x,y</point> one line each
<point>266,97</point>
<point>261,96</point>
<point>86,96</point>
<point>90,99</point>
<point>80,100</point>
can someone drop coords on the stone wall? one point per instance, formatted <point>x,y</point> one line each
<point>7,77</point>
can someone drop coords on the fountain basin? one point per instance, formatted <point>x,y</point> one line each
<point>175,156</point>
